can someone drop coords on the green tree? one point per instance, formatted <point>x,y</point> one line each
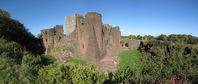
<point>163,59</point>
<point>4,13</point>
<point>13,30</point>
<point>162,37</point>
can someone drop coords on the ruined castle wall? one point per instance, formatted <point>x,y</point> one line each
<point>86,38</point>
<point>94,25</point>
<point>58,33</point>
<point>129,44</point>
<point>92,40</point>
<point>52,36</point>
<point>70,23</point>
<point>48,40</point>
<point>86,45</point>
<point>111,47</point>
<point>115,33</point>
<point>111,40</point>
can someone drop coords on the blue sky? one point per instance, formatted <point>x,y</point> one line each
<point>144,17</point>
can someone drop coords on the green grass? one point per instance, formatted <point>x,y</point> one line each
<point>76,61</point>
<point>48,59</point>
<point>131,58</point>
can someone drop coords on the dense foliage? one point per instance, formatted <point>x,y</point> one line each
<point>130,60</point>
<point>139,37</point>
<point>12,73</point>
<point>10,50</point>
<point>40,69</point>
<point>75,74</point>
<point>13,30</point>
<point>162,60</point>
<point>181,38</point>
<point>11,66</point>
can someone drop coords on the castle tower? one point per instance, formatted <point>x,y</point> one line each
<point>70,24</point>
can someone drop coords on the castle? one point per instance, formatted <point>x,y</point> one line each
<point>86,38</point>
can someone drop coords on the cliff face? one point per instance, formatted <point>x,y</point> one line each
<point>90,40</point>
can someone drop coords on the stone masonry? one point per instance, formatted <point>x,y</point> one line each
<point>128,44</point>
<point>86,38</point>
<point>52,36</point>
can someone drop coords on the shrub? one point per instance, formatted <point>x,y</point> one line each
<point>11,50</point>
<point>163,59</point>
<point>76,74</point>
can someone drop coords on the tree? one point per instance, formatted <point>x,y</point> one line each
<point>13,30</point>
<point>4,13</point>
<point>164,59</point>
<point>162,37</point>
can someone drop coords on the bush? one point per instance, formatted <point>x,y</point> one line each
<point>125,75</point>
<point>75,74</point>
<point>33,63</point>
<point>11,50</point>
<point>12,73</point>
<point>52,74</point>
<point>47,59</point>
<point>163,59</point>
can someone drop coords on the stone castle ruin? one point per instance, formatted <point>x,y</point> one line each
<point>52,36</point>
<point>128,44</point>
<point>86,38</point>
